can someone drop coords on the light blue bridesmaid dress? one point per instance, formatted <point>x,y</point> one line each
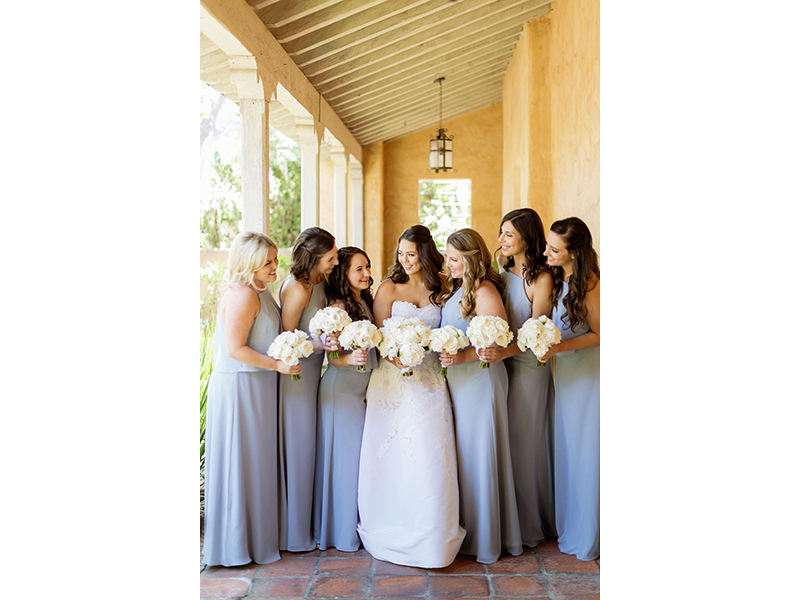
<point>485,474</point>
<point>577,443</point>
<point>530,425</point>
<point>297,419</point>
<point>241,518</point>
<point>340,425</point>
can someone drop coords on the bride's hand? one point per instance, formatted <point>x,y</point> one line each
<point>396,362</point>
<point>451,360</point>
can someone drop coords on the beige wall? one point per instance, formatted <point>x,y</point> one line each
<point>373,208</point>
<point>477,155</point>
<point>551,118</point>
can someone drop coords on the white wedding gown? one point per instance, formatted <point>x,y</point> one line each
<point>407,484</point>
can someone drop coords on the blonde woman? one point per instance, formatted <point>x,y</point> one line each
<point>241,518</point>
<point>485,476</point>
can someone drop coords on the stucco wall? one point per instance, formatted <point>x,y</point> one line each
<point>575,90</point>
<point>477,155</point>
<point>551,118</point>
<point>373,208</point>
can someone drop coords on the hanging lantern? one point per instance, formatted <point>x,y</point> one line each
<point>441,146</point>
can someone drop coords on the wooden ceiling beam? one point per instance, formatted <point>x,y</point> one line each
<point>259,4</point>
<point>340,36</point>
<point>452,87</point>
<point>462,94</point>
<point>341,12</point>
<point>464,88</point>
<point>413,126</point>
<point>416,125</point>
<point>387,101</point>
<point>432,36</point>
<point>364,90</point>
<point>278,13</point>
<point>409,61</point>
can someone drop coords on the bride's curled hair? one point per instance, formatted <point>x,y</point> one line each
<point>339,287</point>
<point>477,269</point>
<point>430,259</point>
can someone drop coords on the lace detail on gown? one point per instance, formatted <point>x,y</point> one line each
<point>409,514</point>
<point>426,374</point>
<point>414,395</point>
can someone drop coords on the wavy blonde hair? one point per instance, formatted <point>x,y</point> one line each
<point>477,269</point>
<point>247,255</point>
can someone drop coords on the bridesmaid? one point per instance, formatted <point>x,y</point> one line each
<point>302,294</point>
<point>341,409</point>
<point>576,295</point>
<point>529,285</point>
<point>485,476</point>
<point>241,520</point>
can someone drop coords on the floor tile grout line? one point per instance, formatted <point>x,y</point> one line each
<point>428,591</point>
<point>313,575</point>
<point>371,575</point>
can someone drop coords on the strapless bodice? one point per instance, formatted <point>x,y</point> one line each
<point>430,313</point>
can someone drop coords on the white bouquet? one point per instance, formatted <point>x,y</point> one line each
<point>329,320</point>
<point>360,335</point>
<point>447,339</point>
<point>485,330</point>
<point>290,347</point>
<point>405,338</point>
<point>537,335</point>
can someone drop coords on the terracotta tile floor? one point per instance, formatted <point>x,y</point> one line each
<point>541,572</point>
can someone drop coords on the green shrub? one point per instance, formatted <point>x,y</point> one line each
<point>206,366</point>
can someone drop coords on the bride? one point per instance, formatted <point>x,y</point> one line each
<point>407,485</point>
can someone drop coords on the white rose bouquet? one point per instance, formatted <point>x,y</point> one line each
<point>290,347</point>
<point>329,320</point>
<point>405,338</point>
<point>537,335</point>
<point>360,335</point>
<point>447,339</point>
<point>485,330</point>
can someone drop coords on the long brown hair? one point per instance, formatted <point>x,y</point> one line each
<point>308,248</point>
<point>430,259</point>
<point>578,240</point>
<point>477,269</point>
<point>339,286</point>
<point>529,226</point>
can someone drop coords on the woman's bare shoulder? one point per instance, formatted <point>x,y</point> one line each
<point>387,288</point>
